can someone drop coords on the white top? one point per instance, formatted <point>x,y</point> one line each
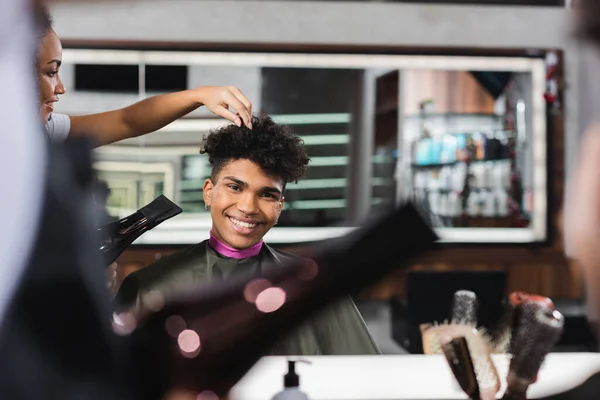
<point>401,377</point>
<point>58,127</point>
<point>22,151</point>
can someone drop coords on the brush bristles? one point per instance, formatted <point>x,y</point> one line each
<point>502,341</point>
<point>478,343</point>
<point>432,333</point>
<point>464,307</point>
<point>502,334</point>
<point>538,332</point>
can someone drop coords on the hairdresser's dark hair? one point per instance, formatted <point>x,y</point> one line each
<point>43,19</point>
<point>277,150</point>
<point>588,18</point>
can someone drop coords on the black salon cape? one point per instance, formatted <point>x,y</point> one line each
<point>56,341</point>
<point>338,330</point>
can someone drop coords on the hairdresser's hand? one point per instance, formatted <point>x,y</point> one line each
<point>219,100</point>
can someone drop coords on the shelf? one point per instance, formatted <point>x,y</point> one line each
<point>440,190</point>
<point>488,222</point>
<point>451,115</point>
<point>493,132</point>
<point>434,166</point>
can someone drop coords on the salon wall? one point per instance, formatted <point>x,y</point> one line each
<point>541,270</point>
<point>82,102</point>
<point>353,23</point>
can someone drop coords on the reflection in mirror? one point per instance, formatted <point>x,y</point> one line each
<point>463,137</point>
<point>467,160</point>
<point>133,184</point>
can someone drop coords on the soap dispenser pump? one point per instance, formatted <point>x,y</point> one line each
<point>291,384</point>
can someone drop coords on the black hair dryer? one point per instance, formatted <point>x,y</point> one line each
<point>116,236</point>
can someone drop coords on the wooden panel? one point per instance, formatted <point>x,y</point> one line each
<point>451,91</point>
<point>552,280</point>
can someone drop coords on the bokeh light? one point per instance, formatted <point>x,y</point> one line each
<point>174,325</point>
<point>270,299</point>
<point>207,395</point>
<point>308,271</point>
<point>154,300</point>
<point>189,343</point>
<point>254,288</point>
<point>124,323</point>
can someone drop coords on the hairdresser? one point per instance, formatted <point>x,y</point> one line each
<point>137,119</point>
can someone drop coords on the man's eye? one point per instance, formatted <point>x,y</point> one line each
<point>234,187</point>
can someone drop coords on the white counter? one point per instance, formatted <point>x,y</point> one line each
<point>400,377</point>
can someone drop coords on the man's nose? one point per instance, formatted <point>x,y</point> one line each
<point>248,204</point>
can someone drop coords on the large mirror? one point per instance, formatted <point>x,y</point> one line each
<point>463,137</point>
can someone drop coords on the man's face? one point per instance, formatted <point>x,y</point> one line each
<point>244,203</point>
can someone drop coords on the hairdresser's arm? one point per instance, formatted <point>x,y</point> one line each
<point>582,214</point>
<point>156,112</point>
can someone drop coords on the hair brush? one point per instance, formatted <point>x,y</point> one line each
<point>464,308</point>
<point>436,336</point>
<point>502,337</point>
<point>538,331</point>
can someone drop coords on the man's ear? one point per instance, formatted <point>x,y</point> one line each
<point>207,192</point>
<point>280,206</point>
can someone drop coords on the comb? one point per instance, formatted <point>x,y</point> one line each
<point>459,359</point>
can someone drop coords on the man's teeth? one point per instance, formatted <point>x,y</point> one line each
<point>242,224</point>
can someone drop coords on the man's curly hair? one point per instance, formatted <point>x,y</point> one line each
<point>277,150</point>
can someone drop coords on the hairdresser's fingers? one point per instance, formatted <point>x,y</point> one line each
<point>237,102</point>
<point>224,112</point>
<point>219,100</point>
<point>245,101</point>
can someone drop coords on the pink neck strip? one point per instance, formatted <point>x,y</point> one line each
<point>230,252</point>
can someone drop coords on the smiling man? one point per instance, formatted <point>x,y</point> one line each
<point>245,196</point>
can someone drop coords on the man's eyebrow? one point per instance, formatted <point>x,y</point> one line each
<point>270,189</point>
<point>236,180</point>
<point>267,189</point>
